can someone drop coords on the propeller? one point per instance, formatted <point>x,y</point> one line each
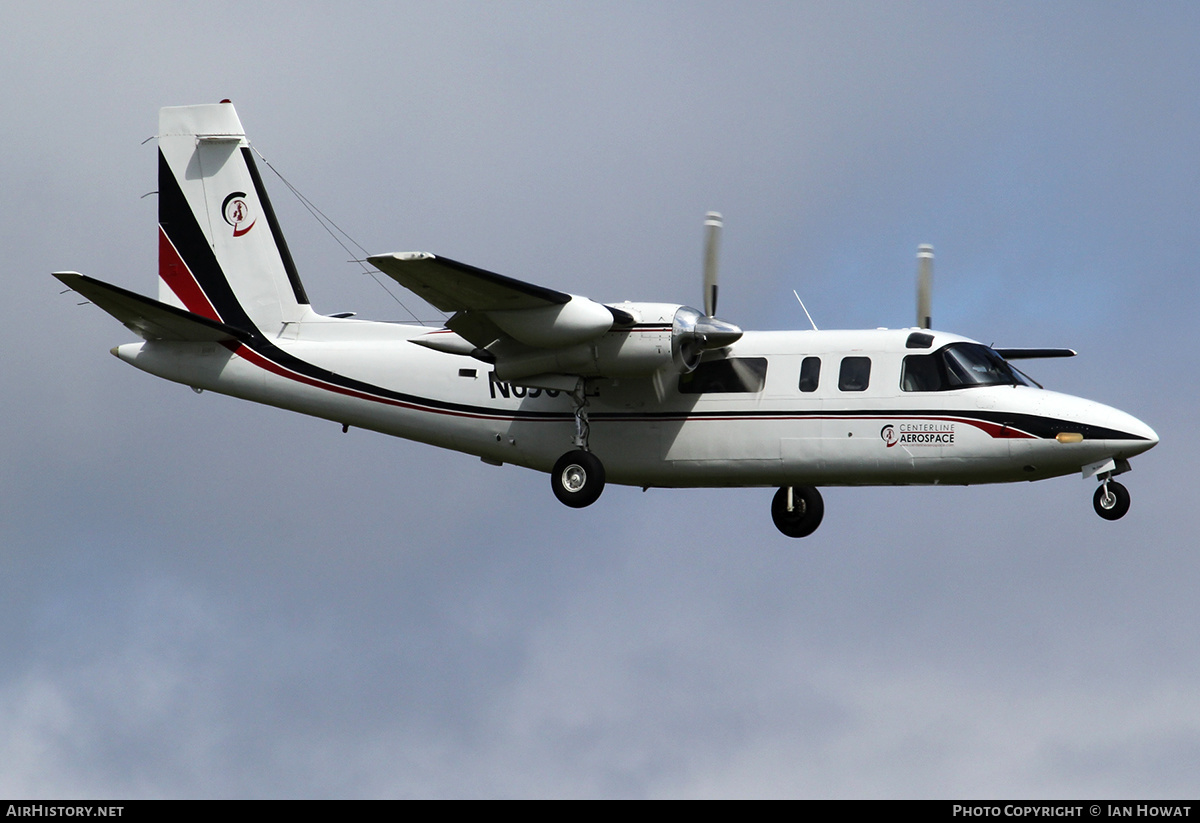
<point>695,333</point>
<point>711,331</point>
<point>924,285</point>
<point>712,247</point>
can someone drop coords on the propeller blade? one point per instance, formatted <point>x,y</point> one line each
<point>924,285</point>
<point>712,242</point>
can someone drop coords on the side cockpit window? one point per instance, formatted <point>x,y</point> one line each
<point>921,372</point>
<point>957,366</point>
<point>855,374</point>
<point>810,374</point>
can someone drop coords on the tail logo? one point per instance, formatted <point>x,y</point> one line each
<point>237,214</point>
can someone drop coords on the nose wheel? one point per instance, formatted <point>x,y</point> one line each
<point>797,510</point>
<point>1111,500</point>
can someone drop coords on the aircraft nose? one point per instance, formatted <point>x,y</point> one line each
<point>1147,438</point>
<point>1148,433</point>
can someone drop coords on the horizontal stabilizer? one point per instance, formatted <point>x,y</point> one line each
<point>148,318</point>
<point>1032,354</point>
<point>452,286</point>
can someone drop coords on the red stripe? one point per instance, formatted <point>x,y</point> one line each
<point>180,280</point>
<point>251,356</point>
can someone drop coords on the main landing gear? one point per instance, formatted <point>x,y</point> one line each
<point>1111,500</point>
<point>577,479</point>
<point>797,510</point>
<point>578,476</point>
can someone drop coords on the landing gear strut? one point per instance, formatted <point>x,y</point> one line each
<point>797,510</point>
<point>579,406</point>
<point>578,476</point>
<point>1111,500</point>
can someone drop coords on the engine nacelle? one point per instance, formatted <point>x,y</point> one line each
<point>663,335</point>
<point>576,321</point>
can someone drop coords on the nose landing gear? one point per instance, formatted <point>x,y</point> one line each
<point>1111,500</point>
<point>797,510</point>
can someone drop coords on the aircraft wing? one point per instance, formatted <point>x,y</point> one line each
<point>490,307</point>
<point>149,319</point>
<point>453,286</point>
<point>1030,354</point>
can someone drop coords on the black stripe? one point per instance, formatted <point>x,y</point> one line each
<point>280,243</point>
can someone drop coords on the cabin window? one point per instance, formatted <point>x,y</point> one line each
<point>733,374</point>
<point>855,374</point>
<point>810,374</point>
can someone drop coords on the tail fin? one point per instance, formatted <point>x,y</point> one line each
<point>221,253</point>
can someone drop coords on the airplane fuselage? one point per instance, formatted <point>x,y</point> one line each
<point>768,427</point>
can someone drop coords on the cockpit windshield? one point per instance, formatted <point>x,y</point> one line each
<point>958,366</point>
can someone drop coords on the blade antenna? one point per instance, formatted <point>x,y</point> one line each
<point>806,314</point>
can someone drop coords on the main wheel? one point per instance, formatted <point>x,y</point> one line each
<point>577,479</point>
<point>1111,506</point>
<point>807,510</point>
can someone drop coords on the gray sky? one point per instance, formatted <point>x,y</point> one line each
<point>207,598</point>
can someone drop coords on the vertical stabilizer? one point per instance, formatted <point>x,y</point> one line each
<point>221,253</point>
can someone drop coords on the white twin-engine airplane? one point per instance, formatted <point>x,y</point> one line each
<point>642,394</point>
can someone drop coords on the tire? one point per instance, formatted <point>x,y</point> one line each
<point>1115,505</point>
<point>807,510</point>
<point>577,479</point>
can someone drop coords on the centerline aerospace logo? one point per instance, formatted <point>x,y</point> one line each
<point>236,212</point>
<point>918,434</point>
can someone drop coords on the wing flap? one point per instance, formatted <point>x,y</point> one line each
<point>149,319</point>
<point>476,327</point>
